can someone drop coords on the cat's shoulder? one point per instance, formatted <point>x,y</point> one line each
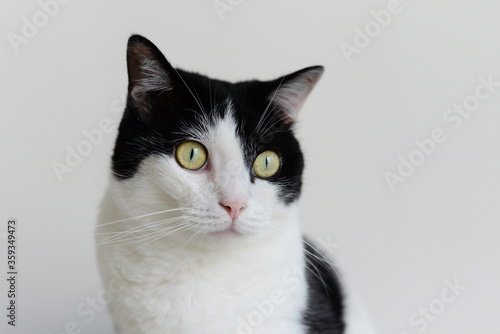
<point>325,309</point>
<point>333,305</point>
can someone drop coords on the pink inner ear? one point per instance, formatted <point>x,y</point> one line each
<point>134,59</point>
<point>293,92</point>
<point>146,74</point>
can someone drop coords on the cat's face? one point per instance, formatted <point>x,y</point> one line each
<point>224,154</point>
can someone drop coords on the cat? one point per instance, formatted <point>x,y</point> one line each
<point>199,223</point>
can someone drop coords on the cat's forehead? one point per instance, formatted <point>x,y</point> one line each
<point>216,129</point>
<point>222,131</point>
<point>208,100</point>
<point>202,121</point>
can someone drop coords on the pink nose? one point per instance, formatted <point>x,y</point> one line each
<point>233,208</point>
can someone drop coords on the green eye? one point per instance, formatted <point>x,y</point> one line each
<point>191,155</point>
<point>266,164</point>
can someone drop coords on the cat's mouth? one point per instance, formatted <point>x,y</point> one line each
<point>227,232</point>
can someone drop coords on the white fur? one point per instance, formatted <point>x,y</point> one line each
<point>189,276</point>
<point>202,278</point>
<point>356,316</point>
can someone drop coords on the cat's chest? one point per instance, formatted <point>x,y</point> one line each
<point>239,295</point>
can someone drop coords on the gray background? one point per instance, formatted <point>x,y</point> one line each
<point>398,247</point>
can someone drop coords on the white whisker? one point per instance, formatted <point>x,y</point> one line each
<point>137,229</point>
<point>257,128</point>
<point>145,237</point>
<point>141,216</point>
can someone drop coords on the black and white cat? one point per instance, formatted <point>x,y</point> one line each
<point>199,225</point>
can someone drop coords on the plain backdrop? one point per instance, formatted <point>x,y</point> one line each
<point>440,224</point>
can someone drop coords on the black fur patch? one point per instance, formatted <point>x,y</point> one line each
<point>324,313</point>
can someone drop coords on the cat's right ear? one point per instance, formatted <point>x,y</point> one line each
<point>149,73</point>
<point>289,92</point>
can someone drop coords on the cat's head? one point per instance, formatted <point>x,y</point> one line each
<point>223,153</point>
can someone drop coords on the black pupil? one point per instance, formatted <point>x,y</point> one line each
<point>267,161</point>
<point>191,155</point>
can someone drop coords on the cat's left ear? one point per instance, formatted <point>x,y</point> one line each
<point>291,91</point>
